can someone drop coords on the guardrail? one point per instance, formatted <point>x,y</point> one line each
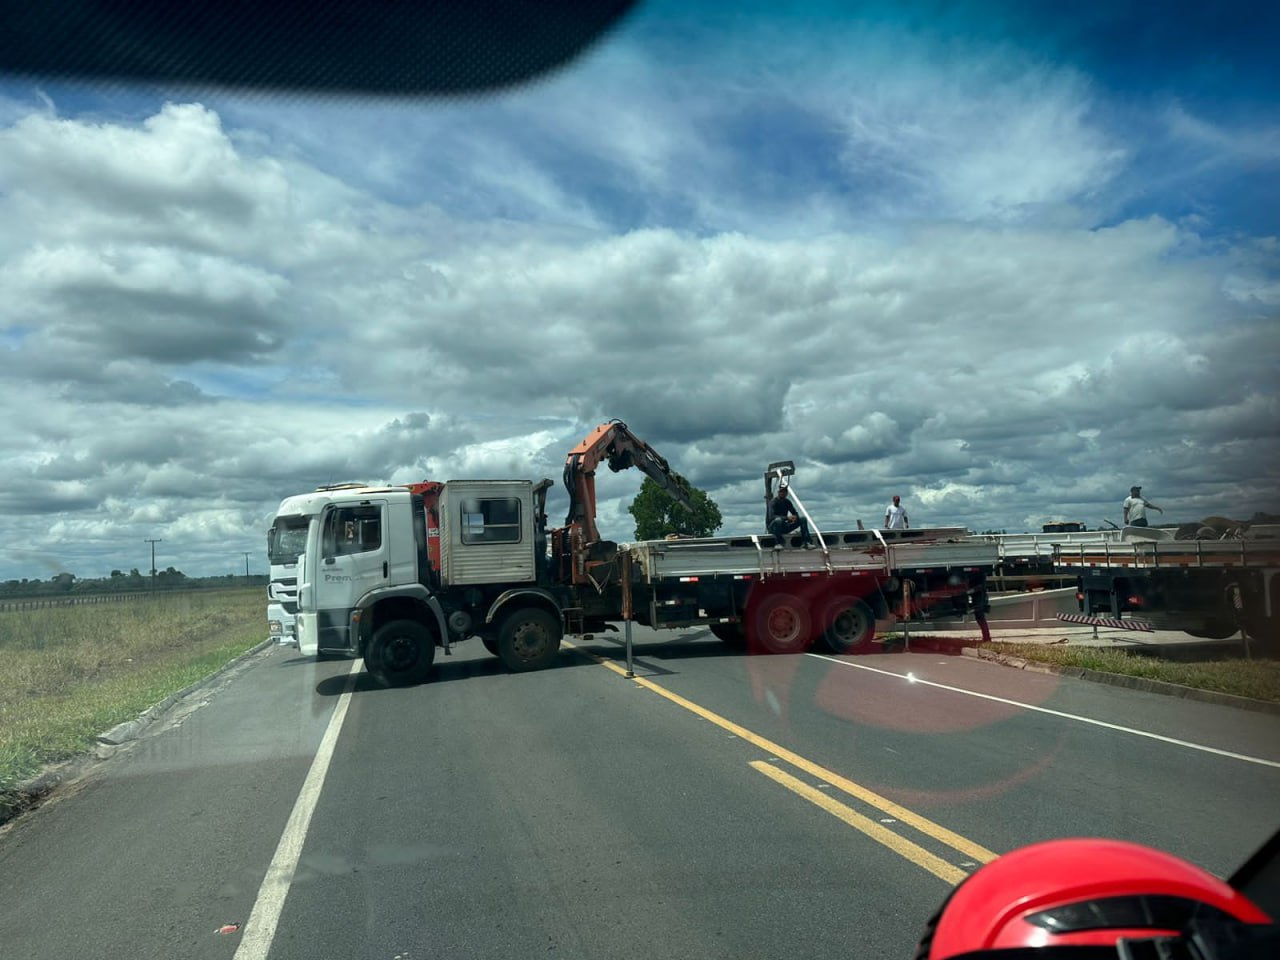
<point>43,603</point>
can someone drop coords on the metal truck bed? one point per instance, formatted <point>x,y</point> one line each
<point>1033,546</point>
<point>851,550</point>
<point>1170,554</point>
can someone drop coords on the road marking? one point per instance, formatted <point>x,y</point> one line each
<point>902,847</point>
<point>926,826</point>
<point>911,678</point>
<point>260,929</point>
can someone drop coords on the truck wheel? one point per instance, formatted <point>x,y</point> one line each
<point>400,653</point>
<point>851,626</point>
<point>490,642</point>
<point>1263,632</point>
<point>730,634</point>
<point>782,624</point>
<point>1266,638</point>
<point>1213,629</point>
<point>529,639</point>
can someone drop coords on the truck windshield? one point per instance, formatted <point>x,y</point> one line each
<point>286,539</point>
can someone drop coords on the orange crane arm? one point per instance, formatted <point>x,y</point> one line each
<point>615,444</point>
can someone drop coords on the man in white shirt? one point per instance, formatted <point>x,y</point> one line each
<point>895,518</point>
<point>1135,508</point>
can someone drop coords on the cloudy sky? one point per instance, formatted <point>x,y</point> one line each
<point>1002,262</point>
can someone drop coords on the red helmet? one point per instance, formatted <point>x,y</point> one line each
<point>1080,893</point>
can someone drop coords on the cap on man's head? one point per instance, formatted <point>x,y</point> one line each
<point>1135,488</point>
<point>896,498</point>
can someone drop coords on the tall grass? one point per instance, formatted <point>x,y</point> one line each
<point>69,673</point>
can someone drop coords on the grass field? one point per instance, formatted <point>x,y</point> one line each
<point>1259,679</point>
<point>69,673</point>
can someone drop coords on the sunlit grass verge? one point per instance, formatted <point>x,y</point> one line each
<point>1258,679</point>
<point>69,673</point>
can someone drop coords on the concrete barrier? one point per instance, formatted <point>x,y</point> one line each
<point>1040,606</point>
<point>1022,611</point>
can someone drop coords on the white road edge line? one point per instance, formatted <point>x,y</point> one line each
<point>1054,713</point>
<point>260,928</point>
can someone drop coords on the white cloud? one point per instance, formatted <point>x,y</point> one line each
<point>981,140</point>
<point>1222,142</point>
<point>205,310</point>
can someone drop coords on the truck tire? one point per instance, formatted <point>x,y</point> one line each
<point>1264,633</point>
<point>400,653</point>
<point>850,626</point>
<point>730,634</point>
<point>490,642</point>
<point>781,624</point>
<point>529,639</point>
<point>1213,629</point>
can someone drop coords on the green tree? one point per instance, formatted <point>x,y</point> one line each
<point>658,514</point>
<point>169,577</point>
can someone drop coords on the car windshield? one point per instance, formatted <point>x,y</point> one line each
<point>512,324</point>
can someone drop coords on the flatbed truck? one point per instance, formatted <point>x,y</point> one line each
<point>393,573</point>
<point>1207,588</point>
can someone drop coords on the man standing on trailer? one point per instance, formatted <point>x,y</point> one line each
<point>1135,508</point>
<point>895,517</point>
<point>784,517</point>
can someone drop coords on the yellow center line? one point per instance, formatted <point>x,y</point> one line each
<point>973,851</point>
<point>904,848</point>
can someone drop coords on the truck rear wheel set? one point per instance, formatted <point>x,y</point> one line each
<point>851,626</point>
<point>781,624</point>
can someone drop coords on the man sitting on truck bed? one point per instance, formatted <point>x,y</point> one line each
<point>783,518</point>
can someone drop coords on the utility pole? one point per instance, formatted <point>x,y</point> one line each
<point>246,564</point>
<point>153,560</point>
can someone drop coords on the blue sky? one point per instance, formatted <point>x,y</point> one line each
<point>1001,259</point>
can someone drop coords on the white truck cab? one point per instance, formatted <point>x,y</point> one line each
<point>374,581</point>
<point>348,556</point>
<point>286,542</point>
<point>286,539</point>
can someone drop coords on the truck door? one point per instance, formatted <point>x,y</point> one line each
<point>353,560</point>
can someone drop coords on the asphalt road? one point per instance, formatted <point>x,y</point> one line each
<point>718,806</point>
